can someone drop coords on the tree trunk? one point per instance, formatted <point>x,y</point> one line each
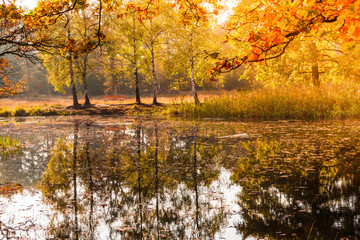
<point>137,90</point>
<point>155,85</point>
<point>85,61</point>
<point>72,82</point>
<point>135,62</point>
<point>86,95</point>
<point>193,84</point>
<point>315,74</point>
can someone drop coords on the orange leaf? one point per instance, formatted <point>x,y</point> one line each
<point>278,40</point>
<point>357,32</point>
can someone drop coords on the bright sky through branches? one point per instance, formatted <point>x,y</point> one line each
<point>28,4</point>
<point>229,4</point>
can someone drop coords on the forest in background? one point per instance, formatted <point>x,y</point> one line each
<point>170,47</point>
<point>133,49</point>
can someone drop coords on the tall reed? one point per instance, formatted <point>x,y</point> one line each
<point>9,146</point>
<point>327,102</point>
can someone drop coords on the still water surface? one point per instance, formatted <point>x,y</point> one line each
<point>121,178</point>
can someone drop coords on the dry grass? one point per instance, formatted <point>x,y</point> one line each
<point>13,103</point>
<point>161,99</point>
<point>16,106</point>
<point>292,102</point>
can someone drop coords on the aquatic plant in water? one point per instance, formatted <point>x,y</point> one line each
<point>9,146</point>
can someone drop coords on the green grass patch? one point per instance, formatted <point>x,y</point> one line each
<point>327,102</point>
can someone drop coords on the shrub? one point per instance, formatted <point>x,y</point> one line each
<point>19,112</point>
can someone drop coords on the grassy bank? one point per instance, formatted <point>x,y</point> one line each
<point>62,111</point>
<point>327,102</point>
<point>13,107</point>
<point>29,111</point>
<point>49,106</point>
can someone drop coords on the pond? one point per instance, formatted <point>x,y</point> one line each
<point>124,178</point>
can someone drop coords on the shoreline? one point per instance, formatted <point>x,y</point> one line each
<point>121,109</point>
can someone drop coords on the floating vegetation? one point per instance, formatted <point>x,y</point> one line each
<point>10,188</point>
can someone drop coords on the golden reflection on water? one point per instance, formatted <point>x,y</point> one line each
<point>138,179</point>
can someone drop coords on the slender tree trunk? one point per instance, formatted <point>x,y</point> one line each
<point>155,85</point>
<point>315,66</point>
<point>137,89</point>
<point>136,69</point>
<point>84,80</point>
<point>193,84</point>
<point>72,81</point>
<point>152,51</point>
<point>315,74</point>
<point>84,70</point>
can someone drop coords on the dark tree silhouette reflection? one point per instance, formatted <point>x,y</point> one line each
<point>161,180</point>
<point>303,190</point>
<point>139,181</point>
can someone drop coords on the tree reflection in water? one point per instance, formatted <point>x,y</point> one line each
<point>76,136</point>
<point>135,184</point>
<point>302,190</point>
<point>154,180</point>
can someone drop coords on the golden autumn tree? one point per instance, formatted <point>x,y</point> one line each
<point>23,35</point>
<point>13,41</point>
<point>272,25</point>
